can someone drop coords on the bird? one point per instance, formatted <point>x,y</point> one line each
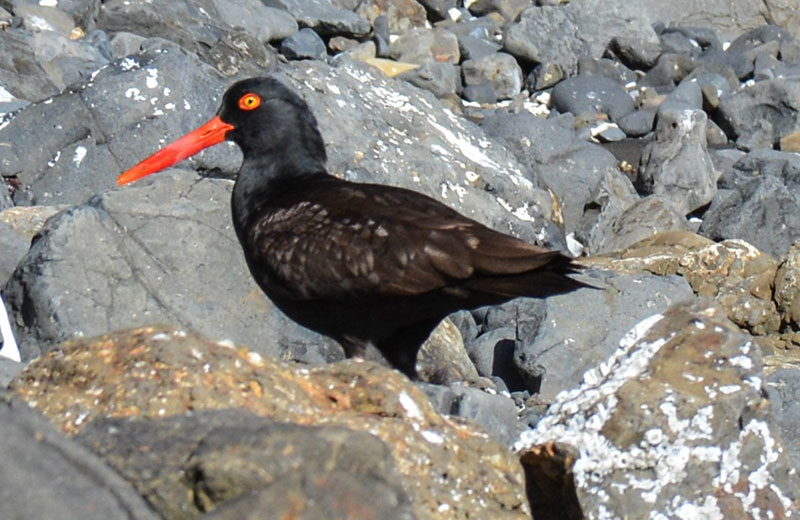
<point>365,264</point>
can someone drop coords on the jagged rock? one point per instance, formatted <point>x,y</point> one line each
<point>35,456</point>
<point>756,202</point>
<point>734,273</point>
<point>677,164</point>
<point>499,70</point>
<point>221,460</point>
<point>584,28</point>
<point>131,254</point>
<point>448,469</point>
<point>681,406</point>
<point>556,346</point>
<point>758,115</point>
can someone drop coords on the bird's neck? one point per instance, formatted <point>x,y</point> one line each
<point>263,180</point>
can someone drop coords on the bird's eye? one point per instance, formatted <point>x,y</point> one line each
<point>249,101</point>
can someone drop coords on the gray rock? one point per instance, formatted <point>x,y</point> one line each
<point>149,253</point>
<point>440,78</point>
<point>783,387</point>
<point>37,18</point>
<point>584,28</point>
<point>35,66</point>
<point>465,324</point>
<point>606,67</point>
<point>9,369</point>
<point>500,70</point>
<point>496,413</point>
<point>96,126</point>
<point>439,8</point>
<point>717,14</point>
<point>758,204</point>
<point>305,44</point>
<point>677,164</point>
<point>493,351</point>
<point>571,168</point>
<point>324,17</point>
<point>508,9</point>
<point>14,248</point>
<point>758,115</point>
<point>239,54</point>
<point>422,45</point>
<point>483,93</point>
<point>124,43</point>
<point>561,345</point>
<point>714,78</point>
<point>581,95</point>
<point>670,69</point>
<point>264,23</point>
<point>543,76</point>
<point>740,62</point>
<point>676,420</point>
<point>228,453</point>
<point>35,457</point>
<point>637,123</point>
<point>675,42</point>
<point>472,47</point>
<point>687,96</point>
<point>643,218</point>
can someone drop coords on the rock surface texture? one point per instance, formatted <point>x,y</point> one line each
<point>655,141</point>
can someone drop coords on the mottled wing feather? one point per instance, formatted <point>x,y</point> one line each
<point>374,241</point>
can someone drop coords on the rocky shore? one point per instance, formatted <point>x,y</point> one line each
<point>146,376</point>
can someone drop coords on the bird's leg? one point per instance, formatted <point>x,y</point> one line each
<point>402,347</point>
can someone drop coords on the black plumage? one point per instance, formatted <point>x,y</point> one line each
<point>361,263</point>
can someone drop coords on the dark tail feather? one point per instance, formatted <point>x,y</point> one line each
<point>549,280</point>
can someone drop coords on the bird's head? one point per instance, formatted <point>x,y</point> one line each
<point>261,115</point>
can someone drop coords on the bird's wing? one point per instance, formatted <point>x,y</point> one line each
<point>350,239</point>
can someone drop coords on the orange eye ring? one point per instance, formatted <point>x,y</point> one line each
<point>249,101</point>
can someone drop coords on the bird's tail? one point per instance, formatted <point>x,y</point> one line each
<point>552,278</point>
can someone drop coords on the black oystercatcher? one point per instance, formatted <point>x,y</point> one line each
<point>361,263</point>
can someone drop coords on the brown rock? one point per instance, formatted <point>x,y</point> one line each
<point>675,422</point>
<point>787,287</point>
<point>239,465</point>
<point>28,220</point>
<point>402,14</point>
<point>450,469</point>
<point>736,274</point>
<point>791,142</point>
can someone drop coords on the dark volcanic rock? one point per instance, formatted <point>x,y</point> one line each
<point>128,258</point>
<point>758,115</point>
<point>195,25</point>
<point>196,462</point>
<point>500,70</point>
<point>760,187</point>
<point>440,78</point>
<point>90,128</point>
<point>581,95</point>
<point>496,413</point>
<point>423,45</point>
<point>557,159</point>
<point>557,346</point>
<point>677,165</point>
<point>31,75</point>
<point>305,44</point>
<point>584,28</point>
<point>324,17</point>
<point>681,405</point>
<point>35,457</point>
<point>14,248</point>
